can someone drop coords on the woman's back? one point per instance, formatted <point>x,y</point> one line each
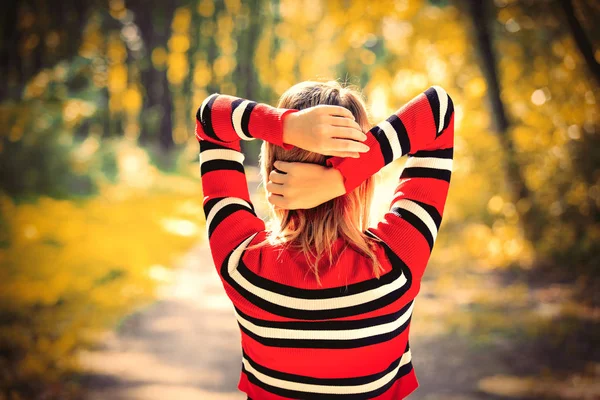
<point>344,332</point>
<point>351,325</point>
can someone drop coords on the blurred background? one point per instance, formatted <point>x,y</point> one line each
<point>107,288</point>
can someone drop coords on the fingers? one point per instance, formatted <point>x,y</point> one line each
<point>277,177</point>
<point>283,166</point>
<point>343,145</point>
<point>352,128</point>
<point>348,133</point>
<point>345,154</point>
<point>274,188</point>
<point>277,200</point>
<point>336,110</point>
<point>343,121</point>
<point>280,202</point>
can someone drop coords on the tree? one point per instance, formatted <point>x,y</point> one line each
<point>154,25</point>
<point>480,18</point>
<point>36,35</point>
<point>579,36</point>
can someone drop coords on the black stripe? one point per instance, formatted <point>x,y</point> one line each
<point>219,165</point>
<point>416,222</point>
<point>210,204</point>
<point>206,119</point>
<point>246,118</point>
<point>449,113</point>
<point>398,267</point>
<point>234,105</point>
<point>328,325</point>
<point>300,314</point>
<point>384,144</point>
<point>329,293</point>
<point>330,343</point>
<point>353,381</point>
<point>327,343</point>
<point>440,153</point>
<point>432,211</point>
<point>224,213</point>
<point>400,129</point>
<point>198,116</point>
<point>206,145</point>
<point>421,172</point>
<point>434,103</point>
<point>294,394</point>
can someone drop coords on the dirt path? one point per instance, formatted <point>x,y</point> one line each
<point>186,346</point>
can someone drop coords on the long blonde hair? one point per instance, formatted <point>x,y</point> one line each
<point>314,231</point>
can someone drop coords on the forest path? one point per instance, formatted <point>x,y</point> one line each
<point>185,345</point>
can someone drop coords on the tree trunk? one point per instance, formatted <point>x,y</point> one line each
<point>245,74</point>
<point>9,55</point>
<point>581,39</point>
<point>516,182</point>
<point>154,23</point>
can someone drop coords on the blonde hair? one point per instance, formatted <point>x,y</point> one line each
<point>314,231</point>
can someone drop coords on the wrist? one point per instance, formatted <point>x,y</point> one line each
<point>288,135</point>
<point>337,186</point>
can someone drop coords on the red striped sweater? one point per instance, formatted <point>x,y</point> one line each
<point>348,338</point>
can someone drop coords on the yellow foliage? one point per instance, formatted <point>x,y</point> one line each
<point>117,78</point>
<point>116,51</point>
<point>37,86</point>
<point>132,100</point>
<point>179,43</point>
<point>202,73</point>
<point>223,65</point>
<point>206,8</point>
<point>178,68</point>
<point>285,60</point>
<point>181,20</point>
<point>476,88</point>
<point>73,268</point>
<point>92,39</point>
<point>159,57</point>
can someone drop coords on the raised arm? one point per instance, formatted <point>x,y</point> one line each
<point>221,122</point>
<point>423,129</point>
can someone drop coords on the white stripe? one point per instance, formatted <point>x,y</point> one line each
<point>236,255</point>
<point>204,103</point>
<point>419,212</point>
<point>392,136</point>
<point>238,113</point>
<point>371,232</point>
<point>429,162</point>
<point>221,154</point>
<point>307,304</point>
<point>327,389</point>
<point>223,203</point>
<point>348,334</point>
<point>318,304</point>
<point>443,98</point>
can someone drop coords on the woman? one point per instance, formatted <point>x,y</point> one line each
<point>323,302</point>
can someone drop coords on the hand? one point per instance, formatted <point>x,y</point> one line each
<point>325,129</point>
<point>303,185</point>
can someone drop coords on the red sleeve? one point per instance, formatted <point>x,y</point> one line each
<point>221,122</point>
<point>423,129</point>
